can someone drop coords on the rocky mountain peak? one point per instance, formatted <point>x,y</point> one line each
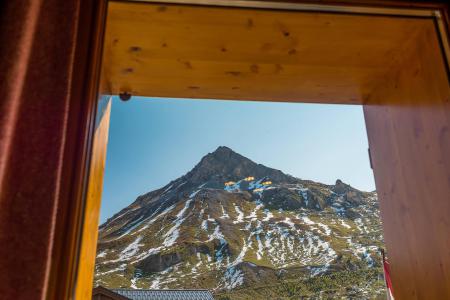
<point>231,225</point>
<point>341,188</point>
<point>224,152</point>
<point>226,164</point>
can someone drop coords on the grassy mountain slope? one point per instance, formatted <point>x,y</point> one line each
<point>246,231</point>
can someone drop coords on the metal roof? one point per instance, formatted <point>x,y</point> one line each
<point>165,294</point>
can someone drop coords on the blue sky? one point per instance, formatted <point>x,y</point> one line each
<point>153,141</point>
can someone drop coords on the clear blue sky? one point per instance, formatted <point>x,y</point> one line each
<point>153,141</point>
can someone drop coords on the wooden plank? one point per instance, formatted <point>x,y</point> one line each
<point>232,53</point>
<point>46,76</point>
<point>392,65</point>
<point>408,122</point>
<point>67,122</point>
<point>89,236</point>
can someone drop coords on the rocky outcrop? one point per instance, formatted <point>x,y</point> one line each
<point>159,262</point>
<point>232,224</point>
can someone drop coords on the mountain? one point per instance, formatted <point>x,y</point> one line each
<point>245,230</point>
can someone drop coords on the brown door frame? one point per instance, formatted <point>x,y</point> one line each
<point>438,14</point>
<point>56,269</point>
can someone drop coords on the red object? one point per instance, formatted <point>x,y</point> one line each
<point>387,278</point>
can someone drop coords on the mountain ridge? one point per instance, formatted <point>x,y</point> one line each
<point>236,224</point>
<point>222,152</point>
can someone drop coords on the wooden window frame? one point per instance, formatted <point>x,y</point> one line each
<point>62,282</point>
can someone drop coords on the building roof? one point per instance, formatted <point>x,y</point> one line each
<point>104,293</point>
<point>165,294</point>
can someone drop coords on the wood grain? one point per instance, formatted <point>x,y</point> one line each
<point>394,66</point>
<point>89,236</point>
<point>249,54</point>
<point>408,125</point>
<point>43,176</point>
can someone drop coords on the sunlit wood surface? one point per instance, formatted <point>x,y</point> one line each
<point>231,53</point>
<point>408,125</point>
<point>392,65</point>
<point>85,275</point>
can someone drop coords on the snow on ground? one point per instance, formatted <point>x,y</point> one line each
<point>102,254</point>
<point>133,283</point>
<point>123,214</point>
<point>307,220</point>
<point>172,235</point>
<point>130,250</point>
<point>205,225</point>
<point>345,224</point>
<point>118,269</point>
<point>181,184</point>
<point>199,257</point>
<point>318,270</point>
<point>325,228</point>
<point>259,252</point>
<point>152,220</point>
<point>192,195</point>
<point>241,255</point>
<point>155,283</point>
<point>290,223</point>
<point>240,216</point>
<point>127,253</point>
<point>360,225</point>
<point>217,235</point>
<point>146,254</point>
<point>268,241</point>
<point>338,209</point>
<point>304,193</point>
<point>361,252</point>
<point>233,278</point>
<point>283,246</point>
<point>130,227</point>
<point>287,246</point>
<point>253,216</point>
<point>167,189</point>
<point>224,213</point>
<point>268,216</point>
<point>248,226</point>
